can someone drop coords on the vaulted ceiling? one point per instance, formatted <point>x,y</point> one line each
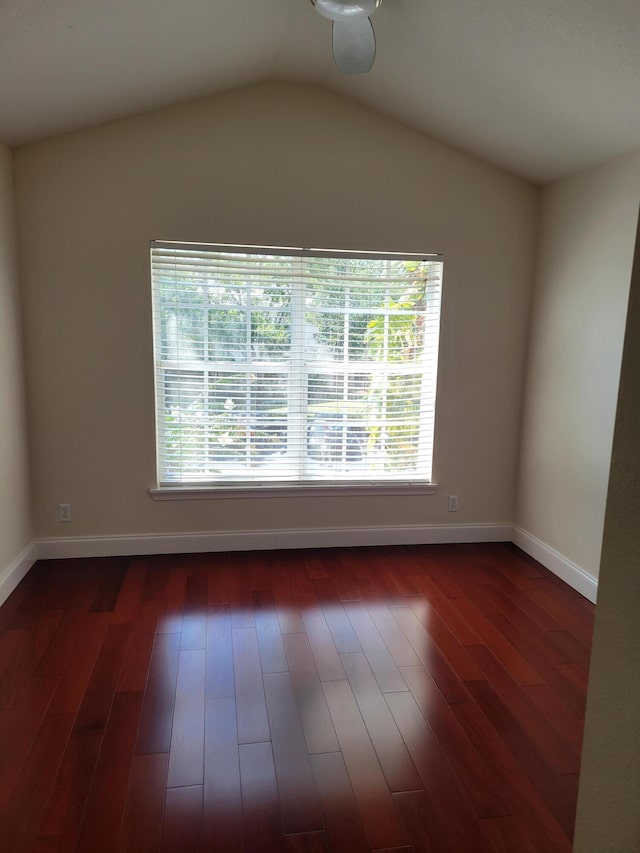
<point>539,87</point>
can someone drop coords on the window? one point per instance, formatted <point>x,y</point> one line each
<point>286,366</point>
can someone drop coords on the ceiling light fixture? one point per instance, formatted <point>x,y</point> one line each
<point>354,42</point>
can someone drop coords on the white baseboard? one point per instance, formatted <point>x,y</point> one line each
<point>185,543</point>
<point>566,569</point>
<point>16,570</point>
<point>262,540</point>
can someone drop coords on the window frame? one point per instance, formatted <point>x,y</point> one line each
<point>281,488</point>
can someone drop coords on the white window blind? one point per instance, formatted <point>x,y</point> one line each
<point>293,366</point>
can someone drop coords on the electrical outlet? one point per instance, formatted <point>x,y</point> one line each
<point>64,512</point>
<point>453,503</point>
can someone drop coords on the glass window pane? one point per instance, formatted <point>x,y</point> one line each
<point>270,335</point>
<point>294,367</point>
<point>268,409</point>
<point>184,423</point>
<point>182,332</point>
<point>228,335</point>
<point>337,422</point>
<point>247,415</point>
<point>227,417</point>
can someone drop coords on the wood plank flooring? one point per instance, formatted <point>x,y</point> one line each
<point>398,698</point>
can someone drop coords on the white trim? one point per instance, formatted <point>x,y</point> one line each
<point>565,569</point>
<point>265,490</point>
<point>238,540</point>
<point>16,570</point>
<point>292,251</point>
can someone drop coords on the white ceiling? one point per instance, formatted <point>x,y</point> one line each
<point>539,87</point>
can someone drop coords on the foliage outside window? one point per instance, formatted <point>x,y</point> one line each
<point>291,366</point>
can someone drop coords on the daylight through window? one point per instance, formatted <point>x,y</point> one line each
<point>290,366</point>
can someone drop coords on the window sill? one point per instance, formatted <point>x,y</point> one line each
<point>288,490</point>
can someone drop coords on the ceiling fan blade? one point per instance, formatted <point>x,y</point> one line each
<point>354,45</point>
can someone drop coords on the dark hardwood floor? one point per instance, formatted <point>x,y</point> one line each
<point>399,698</point>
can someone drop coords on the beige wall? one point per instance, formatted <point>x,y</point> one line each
<point>587,232</point>
<point>608,814</point>
<point>15,511</point>
<point>272,164</point>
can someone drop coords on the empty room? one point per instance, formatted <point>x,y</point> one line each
<point>319,460</point>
